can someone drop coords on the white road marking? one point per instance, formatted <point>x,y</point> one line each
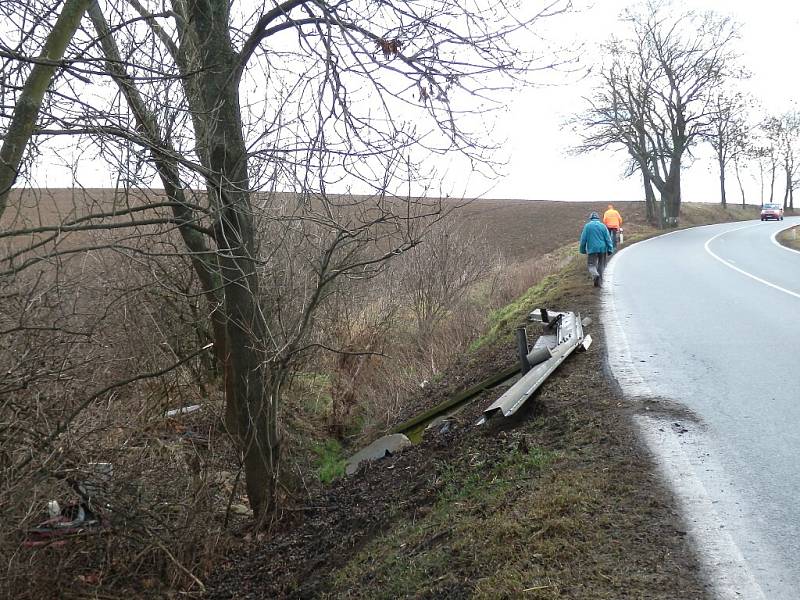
<point>742,271</point>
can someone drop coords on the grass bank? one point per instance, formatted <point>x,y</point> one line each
<point>559,502</point>
<point>790,238</point>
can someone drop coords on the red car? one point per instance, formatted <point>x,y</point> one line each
<point>771,211</point>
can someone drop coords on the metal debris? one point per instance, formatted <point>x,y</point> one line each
<point>72,520</point>
<point>380,448</point>
<point>569,337</point>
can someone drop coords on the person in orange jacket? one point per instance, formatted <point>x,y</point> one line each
<point>613,220</point>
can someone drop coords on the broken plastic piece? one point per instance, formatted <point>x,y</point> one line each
<point>182,411</point>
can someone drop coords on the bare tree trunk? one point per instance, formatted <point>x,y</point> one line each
<point>723,199</point>
<point>671,194</point>
<point>26,111</point>
<point>772,183</point>
<point>788,187</point>
<point>252,392</point>
<point>649,199</point>
<point>739,181</point>
<point>668,208</point>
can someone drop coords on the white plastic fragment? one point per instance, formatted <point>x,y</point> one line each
<point>182,411</point>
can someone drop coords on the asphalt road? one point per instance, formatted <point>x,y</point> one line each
<point>709,318</point>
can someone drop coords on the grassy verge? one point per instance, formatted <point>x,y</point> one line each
<point>471,515</point>
<point>790,238</point>
<point>548,293</point>
<point>559,504</point>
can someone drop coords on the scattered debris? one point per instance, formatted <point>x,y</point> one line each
<point>78,517</point>
<point>446,426</point>
<point>73,520</point>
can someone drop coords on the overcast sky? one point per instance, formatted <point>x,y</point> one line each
<point>537,144</point>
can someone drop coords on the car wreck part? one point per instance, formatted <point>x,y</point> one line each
<point>542,315</point>
<point>522,350</point>
<point>185,410</point>
<point>542,356</point>
<point>72,520</point>
<point>415,426</point>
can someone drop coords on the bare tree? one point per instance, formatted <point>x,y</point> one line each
<point>728,135</point>
<point>655,98</point>
<point>782,134</point>
<point>436,276</point>
<point>226,105</point>
<point>29,102</point>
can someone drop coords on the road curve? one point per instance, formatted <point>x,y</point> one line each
<point>709,319</point>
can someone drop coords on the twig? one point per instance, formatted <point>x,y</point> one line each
<point>62,427</point>
<point>538,587</point>
<point>233,493</point>
<point>178,564</point>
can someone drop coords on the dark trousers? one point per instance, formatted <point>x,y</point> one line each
<point>597,264</point>
<point>614,235</point>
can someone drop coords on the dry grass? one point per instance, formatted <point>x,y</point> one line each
<point>175,480</point>
<point>790,238</point>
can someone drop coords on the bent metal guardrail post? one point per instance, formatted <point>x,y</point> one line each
<point>522,349</point>
<point>569,336</point>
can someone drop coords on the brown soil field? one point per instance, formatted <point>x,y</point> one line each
<point>522,229</point>
<point>525,228</point>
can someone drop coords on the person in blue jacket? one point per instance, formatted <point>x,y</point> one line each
<point>597,245</point>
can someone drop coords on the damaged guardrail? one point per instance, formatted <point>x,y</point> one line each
<point>538,364</point>
<point>563,335</point>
